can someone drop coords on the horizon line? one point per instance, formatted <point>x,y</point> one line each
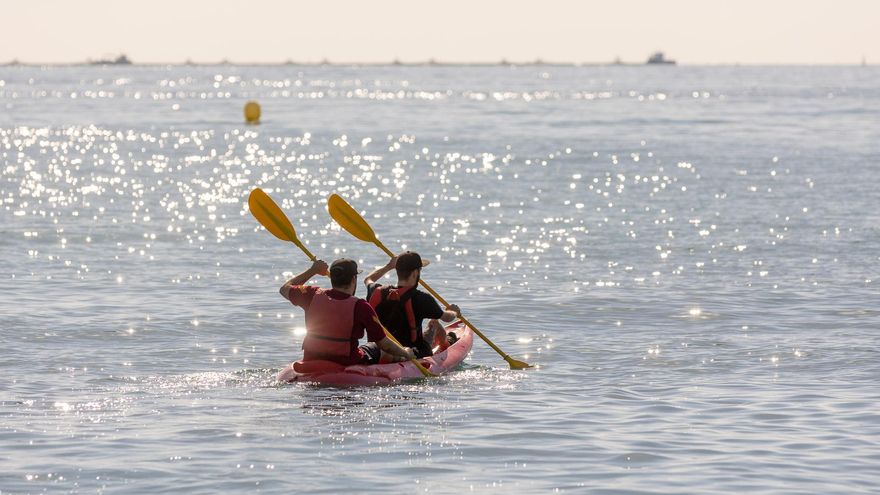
<point>425,63</point>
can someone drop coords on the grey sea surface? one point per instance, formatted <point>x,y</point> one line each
<point>689,255</point>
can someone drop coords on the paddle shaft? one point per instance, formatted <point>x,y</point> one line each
<point>443,301</point>
<point>416,362</point>
<point>349,219</point>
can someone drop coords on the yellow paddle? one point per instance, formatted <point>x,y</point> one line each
<point>354,223</point>
<point>270,216</point>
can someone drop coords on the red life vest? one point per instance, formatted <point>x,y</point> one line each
<point>329,328</point>
<point>391,299</point>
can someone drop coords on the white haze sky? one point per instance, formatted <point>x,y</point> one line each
<point>691,31</point>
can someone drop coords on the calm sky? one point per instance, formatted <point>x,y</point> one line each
<point>692,31</point>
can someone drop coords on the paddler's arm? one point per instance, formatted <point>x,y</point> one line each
<point>318,267</point>
<point>452,313</point>
<point>391,351</point>
<point>378,273</point>
<point>394,351</point>
<point>428,308</point>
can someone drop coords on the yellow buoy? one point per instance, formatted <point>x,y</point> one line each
<point>252,112</point>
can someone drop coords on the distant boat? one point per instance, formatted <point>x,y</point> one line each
<point>659,59</point>
<point>120,60</point>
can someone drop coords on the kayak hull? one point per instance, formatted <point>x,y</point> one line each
<point>327,373</point>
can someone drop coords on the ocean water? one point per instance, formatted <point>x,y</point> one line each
<point>688,255</point>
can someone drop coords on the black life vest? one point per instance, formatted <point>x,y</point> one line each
<point>393,305</point>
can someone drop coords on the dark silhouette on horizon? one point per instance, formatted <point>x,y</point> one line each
<point>659,59</point>
<point>120,60</point>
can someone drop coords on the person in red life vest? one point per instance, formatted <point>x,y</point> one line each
<point>402,308</point>
<point>336,319</point>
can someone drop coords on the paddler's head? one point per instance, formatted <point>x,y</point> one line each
<point>409,268</point>
<point>343,275</point>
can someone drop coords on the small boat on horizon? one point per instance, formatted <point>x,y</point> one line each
<point>659,59</point>
<point>120,60</point>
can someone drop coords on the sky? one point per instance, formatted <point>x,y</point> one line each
<point>267,31</point>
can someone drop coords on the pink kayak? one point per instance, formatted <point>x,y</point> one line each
<point>329,373</point>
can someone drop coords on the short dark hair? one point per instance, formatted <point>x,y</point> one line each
<point>408,262</point>
<point>342,271</point>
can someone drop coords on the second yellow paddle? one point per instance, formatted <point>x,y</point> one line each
<point>354,223</point>
<point>270,216</point>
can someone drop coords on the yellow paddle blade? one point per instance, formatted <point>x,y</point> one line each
<point>349,219</point>
<point>270,216</point>
<point>517,365</point>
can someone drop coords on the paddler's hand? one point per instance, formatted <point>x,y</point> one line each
<point>455,309</point>
<point>409,352</point>
<point>392,264</point>
<point>320,267</point>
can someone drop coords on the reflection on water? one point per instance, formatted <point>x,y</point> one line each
<point>353,404</point>
<point>688,257</point>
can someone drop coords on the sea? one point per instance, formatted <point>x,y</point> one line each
<point>689,257</point>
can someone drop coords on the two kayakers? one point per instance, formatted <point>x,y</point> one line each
<point>336,319</point>
<point>403,307</point>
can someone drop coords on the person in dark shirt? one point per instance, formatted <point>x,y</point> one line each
<point>336,319</point>
<point>407,329</point>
